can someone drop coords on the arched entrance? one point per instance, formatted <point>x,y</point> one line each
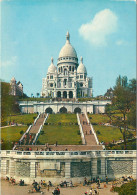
<point>63,110</point>
<point>77,110</point>
<point>59,94</point>
<point>64,94</point>
<point>49,110</point>
<point>70,94</point>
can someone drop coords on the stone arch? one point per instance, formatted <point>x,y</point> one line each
<point>49,110</point>
<point>70,94</point>
<point>64,94</point>
<point>77,110</point>
<point>63,110</point>
<point>59,94</point>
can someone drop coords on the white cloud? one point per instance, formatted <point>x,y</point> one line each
<point>96,31</point>
<point>121,42</point>
<point>11,62</point>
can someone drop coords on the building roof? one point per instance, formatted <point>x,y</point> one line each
<point>67,50</point>
<point>81,68</point>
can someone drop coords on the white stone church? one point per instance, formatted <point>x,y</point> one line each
<point>69,79</point>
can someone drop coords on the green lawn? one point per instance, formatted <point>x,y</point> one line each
<point>64,135</point>
<point>62,118</point>
<point>20,119</point>
<point>107,134</point>
<point>11,134</point>
<point>98,118</point>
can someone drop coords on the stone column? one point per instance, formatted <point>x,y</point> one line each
<point>32,169</point>
<point>103,168</point>
<point>94,167</point>
<point>67,170</point>
<point>67,94</point>
<point>3,168</point>
<point>12,165</point>
<point>62,94</point>
<point>134,167</point>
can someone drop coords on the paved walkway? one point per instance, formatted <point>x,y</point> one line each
<point>89,137</point>
<point>35,128</point>
<point>7,189</point>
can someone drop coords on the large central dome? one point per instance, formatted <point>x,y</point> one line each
<point>67,50</point>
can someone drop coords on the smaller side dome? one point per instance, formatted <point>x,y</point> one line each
<point>13,80</point>
<point>52,68</point>
<point>81,68</point>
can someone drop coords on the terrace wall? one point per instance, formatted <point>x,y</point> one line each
<point>65,165</point>
<point>91,107</point>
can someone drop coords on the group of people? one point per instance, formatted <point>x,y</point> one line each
<point>90,132</point>
<point>91,192</point>
<point>66,184</point>
<point>36,186</point>
<point>21,183</point>
<point>94,180</point>
<point>56,191</point>
<point>12,181</point>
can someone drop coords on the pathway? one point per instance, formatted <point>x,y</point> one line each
<point>89,137</point>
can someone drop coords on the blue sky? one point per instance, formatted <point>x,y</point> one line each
<point>102,31</point>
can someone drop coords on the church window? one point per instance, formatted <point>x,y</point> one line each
<point>51,84</point>
<point>81,84</point>
<point>51,76</point>
<point>67,58</point>
<point>65,81</point>
<point>70,68</point>
<point>65,71</point>
<point>47,77</point>
<point>73,68</point>
<point>81,76</point>
<point>77,77</point>
<point>61,69</point>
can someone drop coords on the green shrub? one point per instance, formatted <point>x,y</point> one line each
<point>21,132</point>
<point>127,189</point>
<point>42,132</point>
<point>98,132</point>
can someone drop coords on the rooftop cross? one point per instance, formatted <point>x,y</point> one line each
<point>67,37</point>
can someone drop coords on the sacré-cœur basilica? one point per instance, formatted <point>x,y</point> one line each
<point>69,79</point>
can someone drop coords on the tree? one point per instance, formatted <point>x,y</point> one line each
<point>38,95</point>
<point>122,101</point>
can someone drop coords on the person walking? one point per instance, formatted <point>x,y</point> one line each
<point>106,180</point>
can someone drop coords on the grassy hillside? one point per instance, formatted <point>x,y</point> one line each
<point>10,135</point>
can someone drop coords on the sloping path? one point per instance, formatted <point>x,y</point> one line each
<point>89,137</point>
<point>34,129</point>
<point>39,122</point>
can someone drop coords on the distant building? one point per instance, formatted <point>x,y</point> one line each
<point>69,79</point>
<point>109,94</point>
<point>16,87</point>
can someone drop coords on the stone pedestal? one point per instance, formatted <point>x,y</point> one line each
<point>103,168</point>
<point>12,165</point>
<point>3,168</point>
<point>67,170</point>
<point>32,170</point>
<point>94,167</point>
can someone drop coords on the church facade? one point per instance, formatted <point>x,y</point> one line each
<point>69,79</point>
